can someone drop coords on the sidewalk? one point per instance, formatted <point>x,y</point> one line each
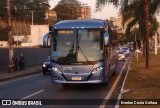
<point>5,75</point>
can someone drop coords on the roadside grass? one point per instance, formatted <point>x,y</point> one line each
<point>143,83</point>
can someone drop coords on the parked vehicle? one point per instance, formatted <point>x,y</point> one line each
<point>46,67</point>
<point>126,50</point>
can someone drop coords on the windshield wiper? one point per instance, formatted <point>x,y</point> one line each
<point>79,48</point>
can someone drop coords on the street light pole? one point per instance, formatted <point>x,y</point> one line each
<point>155,44</point>
<point>136,45</point>
<point>32,17</point>
<point>10,42</point>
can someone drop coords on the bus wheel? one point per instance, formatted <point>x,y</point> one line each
<point>104,84</point>
<point>65,85</point>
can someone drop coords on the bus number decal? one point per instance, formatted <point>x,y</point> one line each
<point>67,68</point>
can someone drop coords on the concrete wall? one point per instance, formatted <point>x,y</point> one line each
<point>33,56</point>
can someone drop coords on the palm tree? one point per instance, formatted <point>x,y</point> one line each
<point>145,15</point>
<point>146,19</point>
<point>133,13</point>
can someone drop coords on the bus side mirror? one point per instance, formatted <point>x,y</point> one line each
<point>106,39</point>
<point>46,39</point>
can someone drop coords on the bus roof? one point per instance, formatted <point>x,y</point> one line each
<point>80,24</point>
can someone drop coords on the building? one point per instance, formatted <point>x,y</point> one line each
<point>51,14</point>
<point>117,22</point>
<point>85,12</point>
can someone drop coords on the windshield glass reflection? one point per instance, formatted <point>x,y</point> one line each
<point>71,46</point>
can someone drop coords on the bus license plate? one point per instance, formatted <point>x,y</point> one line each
<point>76,78</point>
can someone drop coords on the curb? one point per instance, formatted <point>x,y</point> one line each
<point>21,75</point>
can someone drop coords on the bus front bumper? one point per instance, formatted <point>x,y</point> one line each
<point>77,82</point>
<point>83,78</point>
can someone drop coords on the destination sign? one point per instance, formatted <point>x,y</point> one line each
<point>65,32</point>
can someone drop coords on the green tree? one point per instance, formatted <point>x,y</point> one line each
<point>147,13</point>
<point>68,9</point>
<point>21,9</point>
<point>133,13</point>
<point>3,9</point>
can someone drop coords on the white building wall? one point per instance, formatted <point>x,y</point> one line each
<point>37,34</point>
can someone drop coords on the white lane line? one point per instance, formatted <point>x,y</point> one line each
<point>33,94</point>
<point>122,88</point>
<point>113,87</point>
<point>17,79</point>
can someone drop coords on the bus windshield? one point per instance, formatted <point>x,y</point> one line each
<point>74,46</point>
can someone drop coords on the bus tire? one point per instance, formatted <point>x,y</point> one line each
<point>104,84</point>
<point>65,85</point>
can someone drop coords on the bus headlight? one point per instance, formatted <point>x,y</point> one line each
<point>97,69</point>
<point>57,70</point>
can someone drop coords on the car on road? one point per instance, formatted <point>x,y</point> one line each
<point>125,50</point>
<point>121,55</point>
<point>46,67</point>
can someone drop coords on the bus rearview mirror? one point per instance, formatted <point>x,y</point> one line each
<point>46,39</point>
<point>106,39</point>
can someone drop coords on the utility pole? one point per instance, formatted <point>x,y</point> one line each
<point>10,42</point>
<point>32,17</point>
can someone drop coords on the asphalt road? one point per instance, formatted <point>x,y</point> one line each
<point>40,87</point>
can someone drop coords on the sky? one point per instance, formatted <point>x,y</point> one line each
<point>107,12</point>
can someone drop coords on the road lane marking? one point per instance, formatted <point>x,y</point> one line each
<point>33,94</point>
<point>113,87</point>
<point>122,88</point>
<point>18,79</point>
